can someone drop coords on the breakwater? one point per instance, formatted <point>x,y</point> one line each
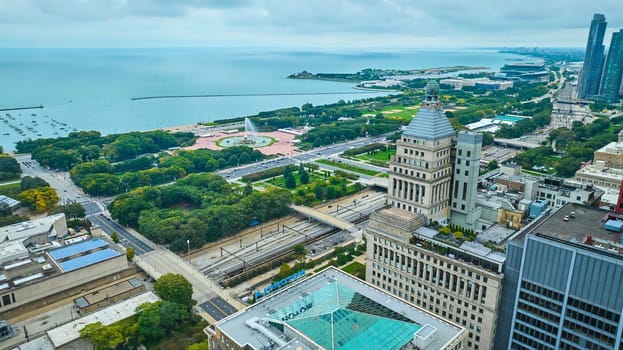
<point>254,95</point>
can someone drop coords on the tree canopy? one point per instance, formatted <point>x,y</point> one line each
<point>9,167</point>
<point>175,288</point>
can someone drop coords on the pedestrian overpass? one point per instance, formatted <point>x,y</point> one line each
<point>324,218</point>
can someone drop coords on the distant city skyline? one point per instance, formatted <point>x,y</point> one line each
<point>329,24</point>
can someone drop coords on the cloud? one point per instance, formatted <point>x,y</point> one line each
<point>335,23</point>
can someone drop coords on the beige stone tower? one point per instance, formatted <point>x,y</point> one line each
<point>420,173</point>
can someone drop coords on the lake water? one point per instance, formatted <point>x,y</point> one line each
<point>91,89</point>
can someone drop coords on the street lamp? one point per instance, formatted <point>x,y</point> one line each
<point>188,245</point>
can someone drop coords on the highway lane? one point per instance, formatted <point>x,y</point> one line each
<point>308,156</point>
<point>218,308</point>
<point>108,225</point>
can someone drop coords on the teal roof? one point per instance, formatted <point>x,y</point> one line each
<point>429,123</point>
<point>341,319</point>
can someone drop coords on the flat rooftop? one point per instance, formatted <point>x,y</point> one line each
<point>71,331</point>
<point>585,221</point>
<point>30,228</point>
<point>19,267</point>
<point>108,292</point>
<point>333,310</point>
<point>78,255</point>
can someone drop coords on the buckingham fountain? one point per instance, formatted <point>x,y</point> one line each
<point>249,139</point>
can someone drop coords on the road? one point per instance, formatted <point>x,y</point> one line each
<point>140,244</point>
<point>161,261</point>
<point>304,157</point>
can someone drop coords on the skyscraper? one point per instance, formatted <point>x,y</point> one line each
<point>588,86</point>
<point>562,282</point>
<point>613,71</point>
<point>466,168</point>
<point>421,171</point>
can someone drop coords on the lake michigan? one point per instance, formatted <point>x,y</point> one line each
<point>91,89</point>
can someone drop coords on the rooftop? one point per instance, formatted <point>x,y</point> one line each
<point>71,331</point>
<point>74,256</point>
<point>8,201</point>
<point>333,310</point>
<point>31,228</point>
<point>615,147</point>
<point>581,221</point>
<point>430,123</point>
<point>108,292</point>
<point>20,266</point>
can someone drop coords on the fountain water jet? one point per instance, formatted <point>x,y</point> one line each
<point>250,138</point>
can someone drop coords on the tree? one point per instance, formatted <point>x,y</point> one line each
<point>114,236</point>
<point>248,189</point>
<point>304,176</point>
<point>28,182</point>
<point>290,181</point>
<point>129,252</point>
<point>175,288</point>
<point>157,319</point>
<point>9,167</point>
<point>71,211</point>
<point>492,165</point>
<point>284,271</point>
<point>103,337</point>
<point>299,251</point>
<point>39,199</point>
<point>445,230</point>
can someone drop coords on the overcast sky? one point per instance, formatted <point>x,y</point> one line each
<point>302,23</point>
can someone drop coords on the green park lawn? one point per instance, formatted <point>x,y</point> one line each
<point>348,167</point>
<point>281,182</point>
<point>377,157</point>
<point>10,190</point>
<point>356,269</point>
<point>398,112</point>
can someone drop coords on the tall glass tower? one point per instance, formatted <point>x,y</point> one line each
<point>613,72</point>
<point>588,86</point>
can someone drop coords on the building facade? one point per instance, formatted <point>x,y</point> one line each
<point>460,284</point>
<point>420,173</point>
<point>465,186</point>
<point>564,274</point>
<point>611,154</point>
<point>613,70</point>
<point>590,78</point>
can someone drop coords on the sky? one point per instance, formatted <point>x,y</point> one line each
<point>303,23</point>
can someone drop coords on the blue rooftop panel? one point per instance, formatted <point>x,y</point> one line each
<point>88,259</point>
<point>77,248</point>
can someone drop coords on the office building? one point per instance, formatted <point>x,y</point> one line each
<point>613,71</point>
<point>453,278</point>
<point>333,310</point>
<point>590,78</point>
<point>599,175</point>
<point>465,186</point>
<point>563,282</point>
<point>611,154</point>
<point>420,173</point>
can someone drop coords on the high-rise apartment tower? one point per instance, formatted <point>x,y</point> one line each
<point>590,78</point>
<point>613,70</point>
